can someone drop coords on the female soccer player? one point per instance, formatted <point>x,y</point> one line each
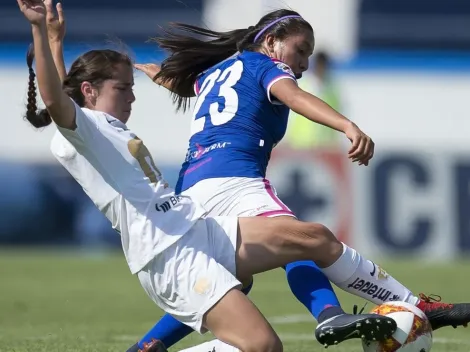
<point>245,83</point>
<point>189,265</point>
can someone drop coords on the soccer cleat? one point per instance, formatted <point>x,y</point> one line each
<point>369,327</point>
<point>154,346</point>
<point>443,314</point>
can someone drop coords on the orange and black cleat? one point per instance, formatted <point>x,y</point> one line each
<point>444,314</point>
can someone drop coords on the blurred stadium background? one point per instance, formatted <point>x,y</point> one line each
<point>399,68</point>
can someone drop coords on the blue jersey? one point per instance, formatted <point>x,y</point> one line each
<point>236,123</point>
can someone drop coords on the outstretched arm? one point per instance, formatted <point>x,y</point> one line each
<point>56,33</point>
<point>58,104</point>
<point>316,110</point>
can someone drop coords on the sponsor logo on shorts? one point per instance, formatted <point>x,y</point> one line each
<point>373,290</point>
<point>257,210</point>
<point>204,150</point>
<point>202,286</point>
<point>167,205</point>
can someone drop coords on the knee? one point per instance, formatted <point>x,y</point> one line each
<point>316,234</point>
<point>305,241</point>
<point>320,233</point>
<point>267,342</point>
<point>316,237</point>
<point>327,246</point>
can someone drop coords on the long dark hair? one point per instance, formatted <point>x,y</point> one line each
<point>95,66</point>
<point>190,55</point>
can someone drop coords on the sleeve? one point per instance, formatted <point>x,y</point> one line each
<point>87,127</point>
<point>270,71</point>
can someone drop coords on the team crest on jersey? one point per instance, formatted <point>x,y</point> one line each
<point>282,66</point>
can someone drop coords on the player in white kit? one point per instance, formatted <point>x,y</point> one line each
<point>189,265</point>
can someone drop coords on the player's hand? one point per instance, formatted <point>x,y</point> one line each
<point>33,10</point>
<point>150,70</point>
<point>362,149</point>
<point>55,23</point>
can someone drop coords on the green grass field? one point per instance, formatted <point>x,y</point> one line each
<point>65,302</point>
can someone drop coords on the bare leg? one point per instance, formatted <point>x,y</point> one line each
<point>269,243</point>
<point>246,328</point>
<point>265,244</point>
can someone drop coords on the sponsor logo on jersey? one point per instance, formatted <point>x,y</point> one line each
<point>285,68</point>
<point>167,205</point>
<point>204,150</point>
<point>373,290</point>
<point>116,124</point>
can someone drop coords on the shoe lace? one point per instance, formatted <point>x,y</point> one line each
<point>435,300</point>
<point>429,299</point>
<point>355,309</point>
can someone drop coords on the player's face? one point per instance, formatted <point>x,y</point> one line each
<point>116,95</point>
<point>295,51</point>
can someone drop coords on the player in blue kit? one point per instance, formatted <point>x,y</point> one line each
<point>245,83</point>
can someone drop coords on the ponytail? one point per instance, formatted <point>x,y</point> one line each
<point>190,56</point>
<point>36,118</point>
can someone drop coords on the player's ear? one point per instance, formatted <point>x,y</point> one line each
<point>270,41</point>
<point>88,92</point>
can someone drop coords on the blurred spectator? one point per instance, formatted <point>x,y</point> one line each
<point>301,132</point>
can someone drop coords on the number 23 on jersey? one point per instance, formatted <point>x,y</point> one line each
<point>224,81</point>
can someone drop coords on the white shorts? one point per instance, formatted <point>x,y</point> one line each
<point>192,275</point>
<point>238,196</point>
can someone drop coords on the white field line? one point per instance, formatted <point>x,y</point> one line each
<point>305,318</point>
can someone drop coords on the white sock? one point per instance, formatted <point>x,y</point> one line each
<point>363,278</point>
<point>214,345</point>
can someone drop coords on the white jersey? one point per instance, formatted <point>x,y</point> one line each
<point>116,171</point>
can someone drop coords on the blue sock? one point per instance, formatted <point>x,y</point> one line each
<point>311,287</point>
<point>169,330</point>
